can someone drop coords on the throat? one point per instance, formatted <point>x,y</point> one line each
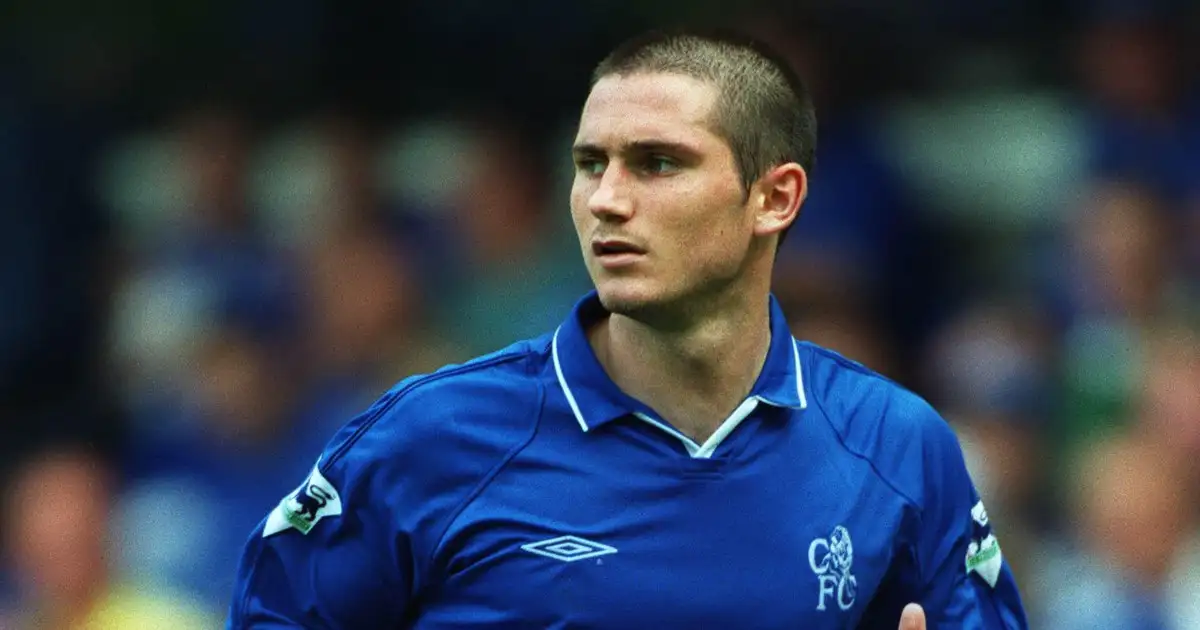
<point>700,424</point>
<point>695,381</point>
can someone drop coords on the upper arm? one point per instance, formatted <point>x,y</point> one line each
<point>384,492</point>
<point>964,582</point>
<point>353,566</point>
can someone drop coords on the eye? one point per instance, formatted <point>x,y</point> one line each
<point>660,165</point>
<point>589,166</point>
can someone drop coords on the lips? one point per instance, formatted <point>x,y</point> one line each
<point>615,247</point>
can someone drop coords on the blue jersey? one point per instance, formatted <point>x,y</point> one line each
<point>525,490</point>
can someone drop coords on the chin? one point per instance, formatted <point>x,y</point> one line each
<point>634,299</point>
<point>623,296</point>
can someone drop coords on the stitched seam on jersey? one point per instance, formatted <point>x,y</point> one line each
<point>243,605</point>
<point>857,367</point>
<point>398,395</point>
<point>871,463</point>
<point>491,475</point>
<point>920,510</point>
<point>842,439</point>
<point>874,468</point>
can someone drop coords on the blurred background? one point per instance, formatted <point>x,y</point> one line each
<point>228,226</point>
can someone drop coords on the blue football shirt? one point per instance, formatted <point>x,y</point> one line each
<point>525,490</point>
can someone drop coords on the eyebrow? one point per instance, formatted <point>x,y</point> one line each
<point>638,146</point>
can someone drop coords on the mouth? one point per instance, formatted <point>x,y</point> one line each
<point>613,254</point>
<point>612,247</point>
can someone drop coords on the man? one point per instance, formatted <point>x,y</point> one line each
<point>669,457</point>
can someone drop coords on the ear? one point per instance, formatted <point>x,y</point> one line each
<point>778,196</point>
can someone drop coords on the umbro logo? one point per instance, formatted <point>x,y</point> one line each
<point>569,548</point>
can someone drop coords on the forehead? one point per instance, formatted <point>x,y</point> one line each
<point>669,107</point>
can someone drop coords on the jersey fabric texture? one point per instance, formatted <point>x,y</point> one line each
<point>525,490</point>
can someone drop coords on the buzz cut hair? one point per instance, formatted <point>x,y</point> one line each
<point>764,111</point>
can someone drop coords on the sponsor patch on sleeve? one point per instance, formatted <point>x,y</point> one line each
<point>983,554</point>
<point>301,510</point>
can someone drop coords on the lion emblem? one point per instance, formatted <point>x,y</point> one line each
<point>307,503</point>
<point>841,551</point>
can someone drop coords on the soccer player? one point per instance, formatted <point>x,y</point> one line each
<point>670,456</point>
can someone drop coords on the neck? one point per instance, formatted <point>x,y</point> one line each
<point>693,375</point>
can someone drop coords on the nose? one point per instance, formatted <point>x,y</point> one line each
<point>611,201</point>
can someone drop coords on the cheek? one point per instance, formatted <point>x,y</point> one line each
<point>712,225</point>
<point>580,214</point>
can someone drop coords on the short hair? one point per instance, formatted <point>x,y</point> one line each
<point>764,111</point>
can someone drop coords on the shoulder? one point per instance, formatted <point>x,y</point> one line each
<point>860,402</point>
<point>876,419</point>
<point>485,406</point>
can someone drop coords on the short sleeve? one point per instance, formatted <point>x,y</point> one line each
<point>329,556</point>
<point>964,581</point>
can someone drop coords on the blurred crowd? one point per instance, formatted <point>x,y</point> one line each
<point>199,290</point>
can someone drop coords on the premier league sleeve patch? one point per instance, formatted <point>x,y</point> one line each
<point>315,499</point>
<point>983,554</point>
